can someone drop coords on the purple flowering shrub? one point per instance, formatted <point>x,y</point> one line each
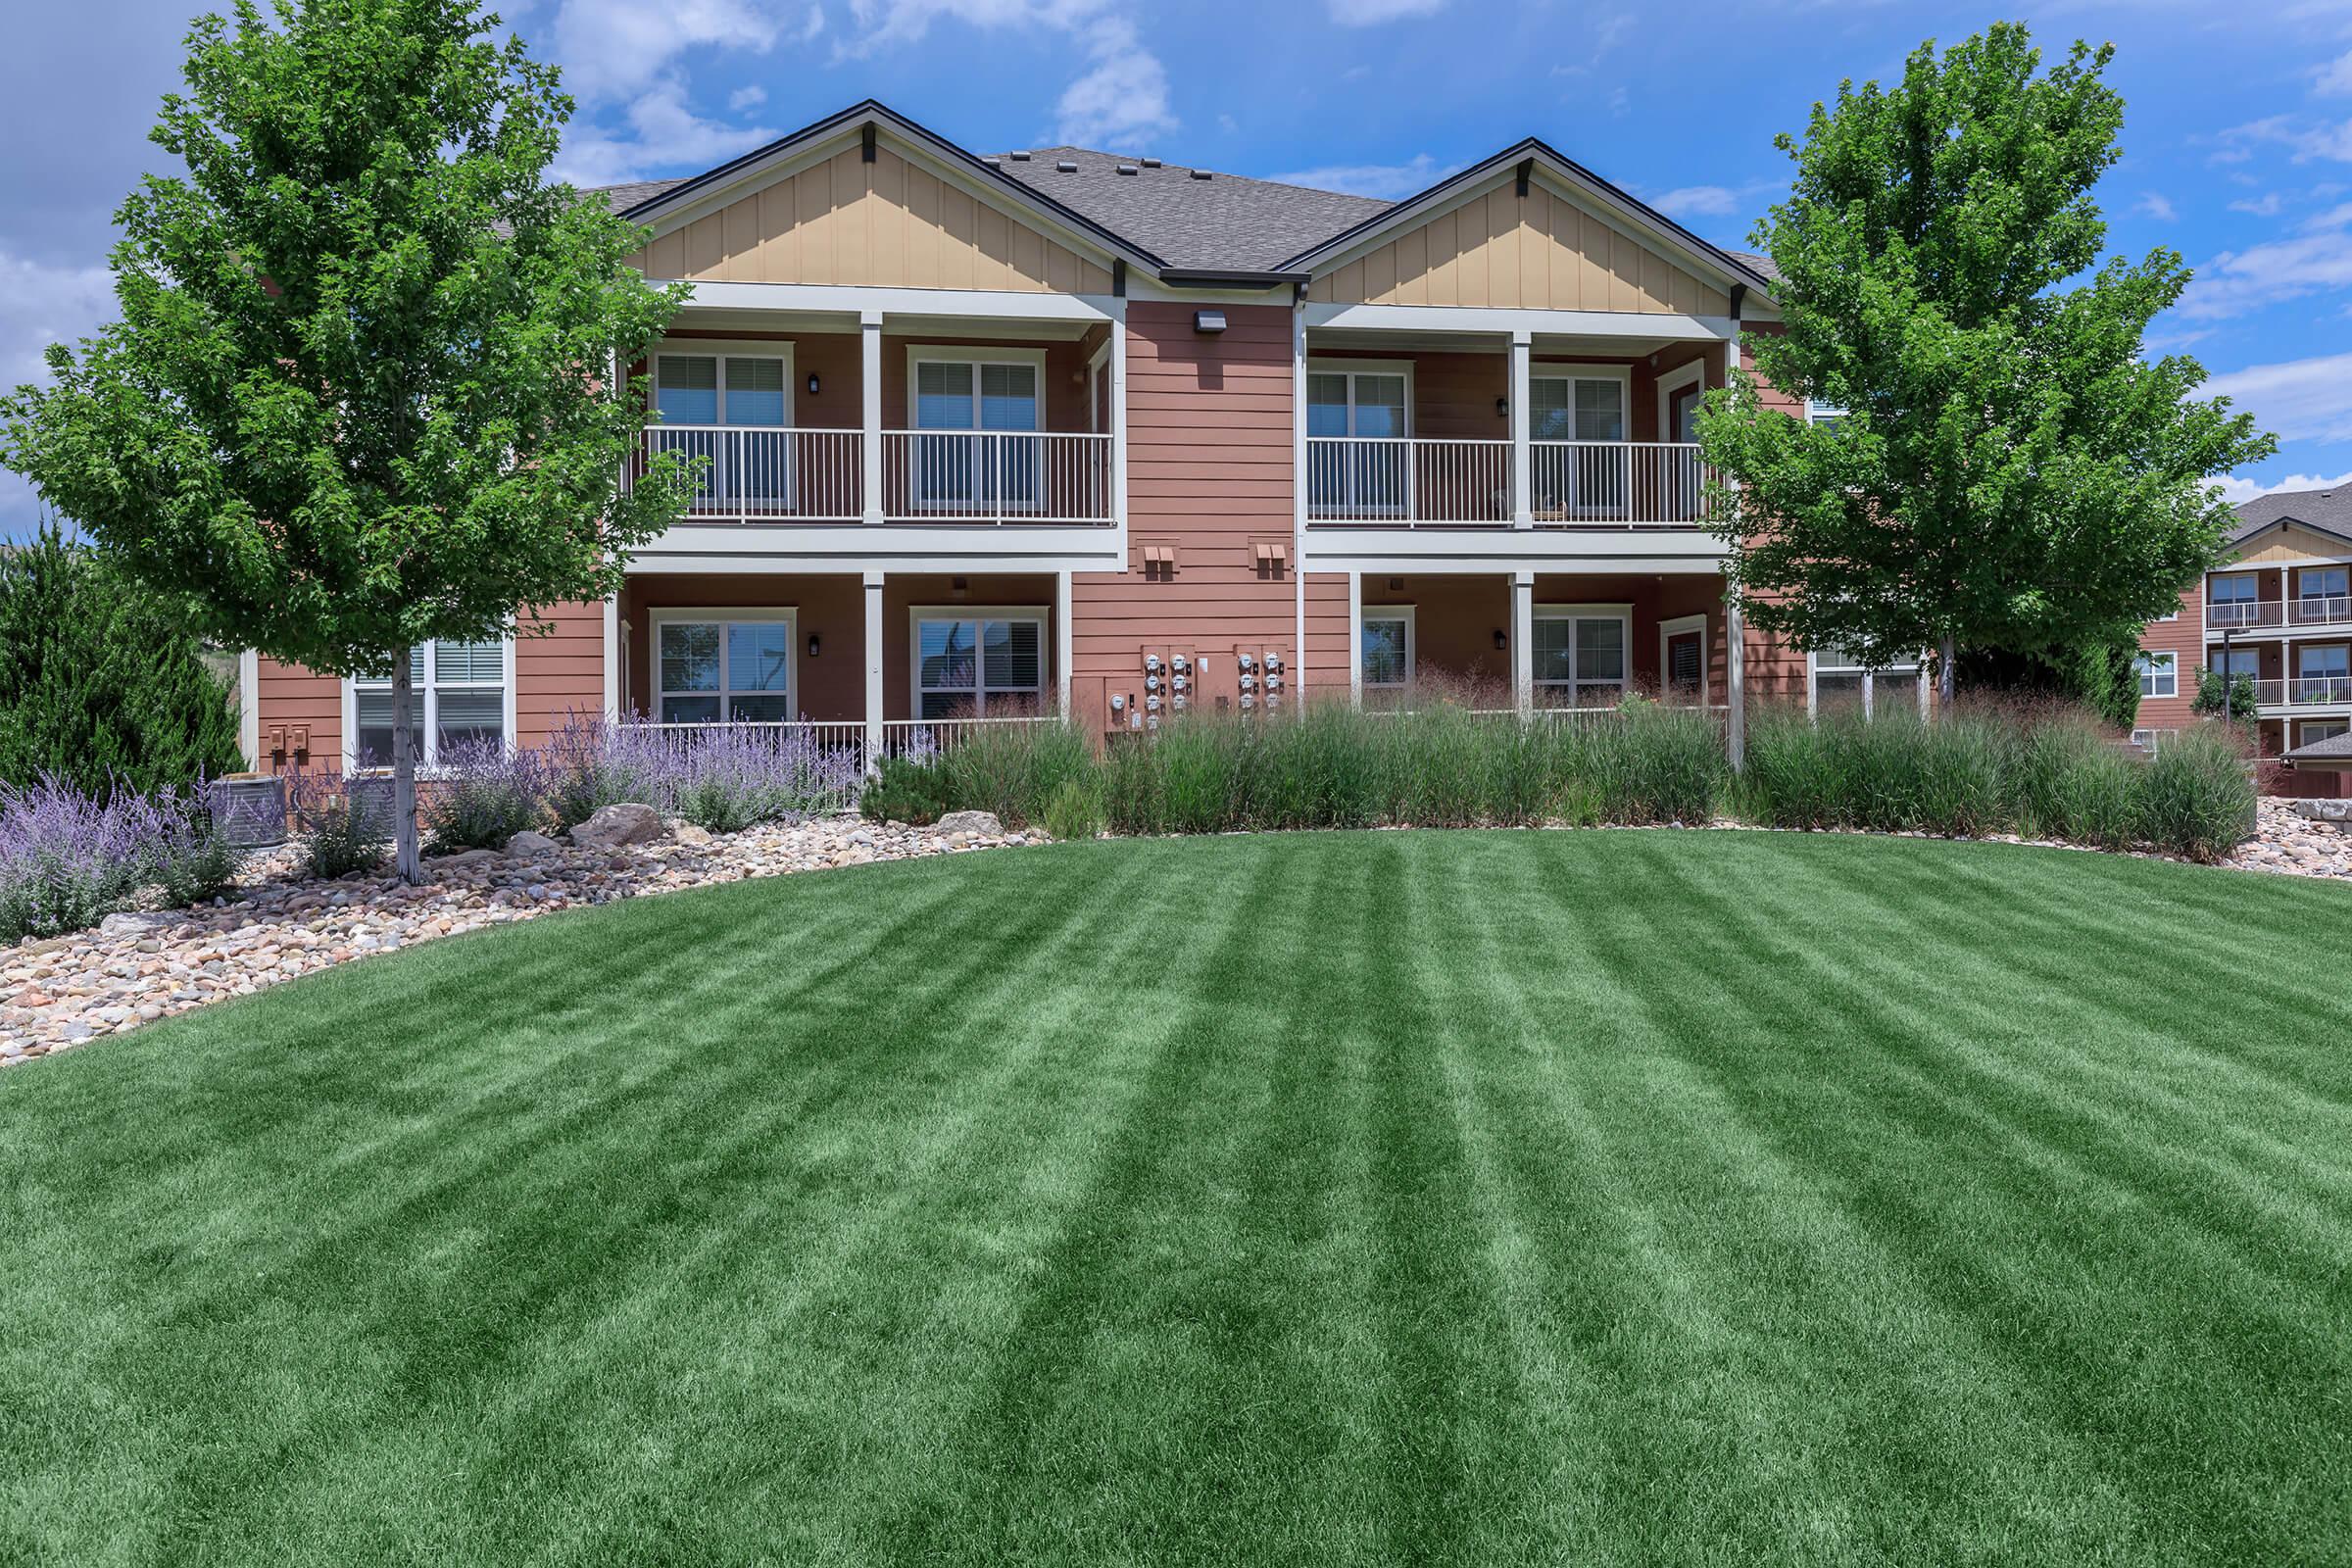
<point>69,860</point>
<point>345,825</point>
<point>483,795</point>
<point>722,778</point>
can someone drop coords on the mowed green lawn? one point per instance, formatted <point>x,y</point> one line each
<point>1577,1197</point>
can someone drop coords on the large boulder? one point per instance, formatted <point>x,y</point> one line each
<point>613,826</point>
<point>2325,809</point>
<point>982,823</point>
<point>528,842</point>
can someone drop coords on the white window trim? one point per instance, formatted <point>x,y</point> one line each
<point>1622,614</point>
<point>916,614</point>
<point>2216,579</point>
<point>697,615</point>
<point>2302,570</point>
<point>1672,382</point>
<point>2157,660</point>
<point>1817,411</point>
<point>1683,626</point>
<point>1555,371</point>
<point>429,751</point>
<point>1352,369</point>
<point>920,354</point>
<point>722,350</point>
<point>1097,369</point>
<point>1916,676</point>
<point>1404,613</point>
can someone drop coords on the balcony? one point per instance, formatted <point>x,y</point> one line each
<point>2277,613</point>
<point>768,475</point>
<point>2304,691</point>
<point>1416,482</point>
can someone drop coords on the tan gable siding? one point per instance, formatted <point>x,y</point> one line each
<point>2292,543</point>
<point>890,223</point>
<point>1539,252</point>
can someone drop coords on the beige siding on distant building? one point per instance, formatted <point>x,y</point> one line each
<point>1534,252</point>
<point>890,223</point>
<point>2292,543</point>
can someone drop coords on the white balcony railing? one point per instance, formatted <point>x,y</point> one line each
<point>2304,691</point>
<point>1423,482</point>
<point>2312,611</point>
<point>1413,482</point>
<point>928,737</point>
<point>1617,484</point>
<point>996,476</point>
<point>765,474</point>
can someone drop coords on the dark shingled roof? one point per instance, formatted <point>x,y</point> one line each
<point>2335,749</point>
<point>1761,263</point>
<point>1224,222</point>
<point>2330,510</point>
<point>620,198</point>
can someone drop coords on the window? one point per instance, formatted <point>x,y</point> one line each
<point>1386,638</point>
<point>1369,472</point>
<point>966,399</point>
<point>1842,680</point>
<point>722,667</point>
<point>457,693</point>
<point>2246,661</point>
<point>2322,582</point>
<point>1586,477</point>
<point>2323,675</point>
<point>2230,600</point>
<point>2158,676</point>
<point>1580,654</point>
<point>2323,729</point>
<point>1829,414</point>
<point>972,663</point>
<point>748,392</point>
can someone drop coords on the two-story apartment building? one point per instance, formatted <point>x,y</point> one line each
<point>987,435</point>
<point>2279,612</point>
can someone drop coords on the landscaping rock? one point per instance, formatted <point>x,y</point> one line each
<point>688,833</point>
<point>140,922</point>
<point>613,826</point>
<point>983,825</point>
<point>464,858</point>
<point>2324,810</point>
<point>527,841</point>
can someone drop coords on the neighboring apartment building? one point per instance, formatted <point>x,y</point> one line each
<point>988,434</point>
<point>2280,612</point>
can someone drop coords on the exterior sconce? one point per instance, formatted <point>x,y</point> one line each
<point>1208,321</point>
<point>1502,640</point>
<point>1503,406</point>
<point>812,383</point>
<point>813,644</point>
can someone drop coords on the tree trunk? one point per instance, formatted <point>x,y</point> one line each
<point>403,773</point>
<point>1946,676</point>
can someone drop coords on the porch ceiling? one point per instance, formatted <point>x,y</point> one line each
<point>934,328</point>
<point>1543,344</point>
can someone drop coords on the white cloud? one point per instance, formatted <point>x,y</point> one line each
<point>1388,182</point>
<point>2299,400</point>
<point>2238,492</point>
<point>2266,205</point>
<point>2336,79</point>
<point>612,49</point>
<point>743,98</point>
<point>2237,282</point>
<point>1371,13</point>
<point>664,133</point>
<point>42,305</point>
<point>2156,205</point>
<point>1123,99</point>
<point>1698,201</point>
<point>2303,139</point>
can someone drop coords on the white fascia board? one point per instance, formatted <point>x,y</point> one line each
<point>1459,550</point>
<point>1486,318</point>
<point>1142,286</point>
<point>734,548</point>
<point>854,300</point>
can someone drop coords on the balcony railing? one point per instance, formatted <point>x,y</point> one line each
<point>2303,690</point>
<point>2312,611</point>
<point>928,737</point>
<point>1413,483</point>
<point>996,476</point>
<point>764,475</point>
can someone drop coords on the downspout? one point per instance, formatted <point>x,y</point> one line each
<point>1298,487</point>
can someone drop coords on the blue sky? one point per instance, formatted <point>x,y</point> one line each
<point>2238,141</point>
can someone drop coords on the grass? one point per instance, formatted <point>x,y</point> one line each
<point>1596,1198</point>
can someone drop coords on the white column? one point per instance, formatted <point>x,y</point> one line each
<point>249,708</point>
<point>1735,671</point>
<point>1356,638</point>
<point>613,657</point>
<point>873,668</point>
<point>1522,512</point>
<point>869,334</point>
<point>1118,420</point>
<point>1064,656</point>
<point>1523,641</point>
<point>1298,681</point>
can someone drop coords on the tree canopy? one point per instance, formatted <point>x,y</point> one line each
<point>2010,472</point>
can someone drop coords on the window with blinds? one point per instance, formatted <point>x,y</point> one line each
<point>977,667</point>
<point>731,671</point>
<point>458,694</point>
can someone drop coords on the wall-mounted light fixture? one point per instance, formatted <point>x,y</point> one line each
<point>1503,639</point>
<point>1208,321</point>
<point>812,383</point>
<point>1502,408</point>
<point>813,645</point>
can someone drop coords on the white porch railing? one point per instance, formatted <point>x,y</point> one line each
<point>996,476</point>
<point>767,475</point>
<point>2315,611</point>
<point>826,759</point>
<point>1617,484</point>
<point>2313,690</point>
<point>1409,480</point>
<point>928,737</point>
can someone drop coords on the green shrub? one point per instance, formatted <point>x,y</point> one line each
<point>2197,796</point>
<point>905,789</point>
<point>1076,811</point>
<point>345,825</point>
<point>103,684</point>
<point>1012,769</point>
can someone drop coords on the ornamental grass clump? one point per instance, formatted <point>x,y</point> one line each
<point>1014,769</point>
<point>344,824</point>
<point>69,860</point>
<point>485,794</point>
<point>2197,795</point>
